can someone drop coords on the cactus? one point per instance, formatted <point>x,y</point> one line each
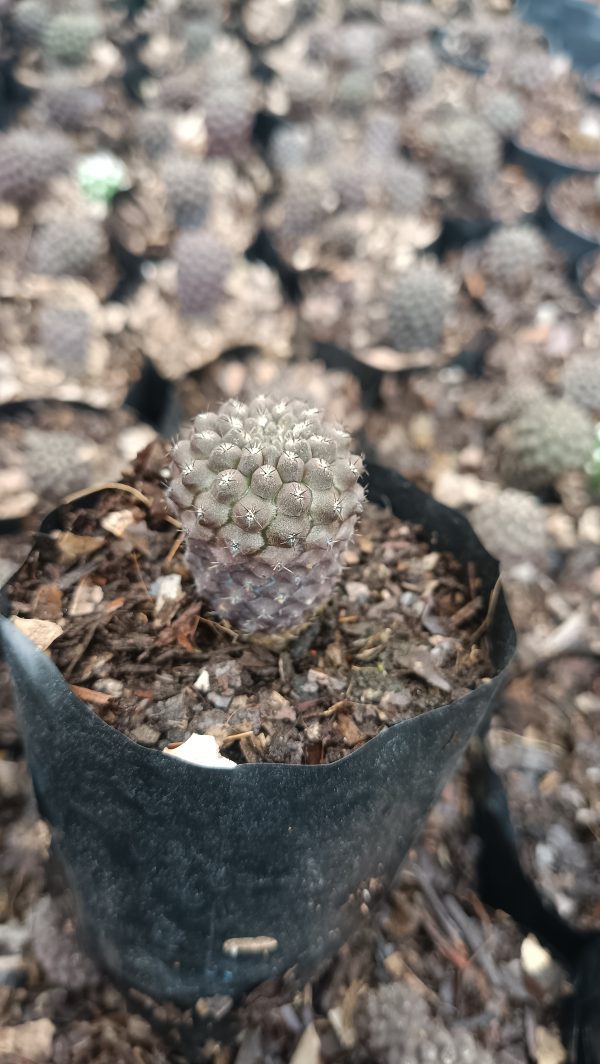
<point>199,34</point>
<point>69,37</point>
<point>512,256</point>
<point>404,186</point>
<point>395,1025</point>
<point>503,111</point>
<point>468,148</point>
<point>354,89</point>
<point>64,333</point>
<point>29,20</point>
<point>306,87</point>
<point>417,308</point>
<point>202,268</point>
<point>418,70</point>
<point>69,104</point>
<point>381,136</point>
<point>268,499</point>
<point>549,437</point>
<point>28,161</point>
<point>188,190</point>
<point>581,379</point>
<point>302,210</point>
<point>53,462</point>
<point>154,133</point>
<point>289,147</point>
<point>512,527</point>
<point>228,117</point>
<point>68,246</point>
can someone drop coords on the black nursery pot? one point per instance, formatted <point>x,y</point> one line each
<point>568,241</point>
<point>543,168</point>
<point>169,862</point>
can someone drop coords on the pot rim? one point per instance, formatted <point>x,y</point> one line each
<point>23,646</point>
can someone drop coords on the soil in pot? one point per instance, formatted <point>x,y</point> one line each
<point>575,203</point>
<point>564,131</point>
<point>397,637</point>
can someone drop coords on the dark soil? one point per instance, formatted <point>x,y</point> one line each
<point>395,639</point>
<point>575,202</point>
<point>561,137</point>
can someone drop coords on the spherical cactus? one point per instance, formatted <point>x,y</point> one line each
<point>512,527</point>
<point>305,87</point>
<point>69,37</point>
<point>581,379</point>
<point>418,70</point>
<point>417,308</point>
<point>396,1027</point>
<point>468,148</point>
<point>202,268</point>
<point>53,462</point>
<point>289,147</point>
<point>302,210</point>
<point>28,161</point>
<point>228,117</point>
<point>29,20</point>
<point>529,71</point>
<point>64,333</point>
<point>354,90</point>
<point>503,111</point>
<point>188,190</point>
<point>550,437</point>
<point>154,133</point>
<point>199,34</point>
<point>68,246</point>
<point>381,136</point>
<point>70,105</point>
<point>268,499</point>
<point>404,186</point>
<point>512,256</point>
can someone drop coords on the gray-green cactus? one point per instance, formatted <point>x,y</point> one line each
<point>203,265</point>
<point>549,437</point>
<point>417,308</point>
<point>404,185</point>
<point>503,110</point>
<point>581,379</point>
<point>228,117</point>
<point>512,256</point>
<point>395,1026</point>
<point>188,190</point>
<point>69,37</point>
<point>64,333</point>
<point>512,526</point>
<point>29,20</point>
<point>268,497</point>
<point>468,148</point>
<point>68,246</point>
<point>418,69</point>
<point>29,160</point>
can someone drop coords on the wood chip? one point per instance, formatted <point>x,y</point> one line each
<point>117,522</point>
<point>86,599</point>
<point>31,1042</point>
<point>308,1050</point>
<point>42,633</point>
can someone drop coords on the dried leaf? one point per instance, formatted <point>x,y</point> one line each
<point>117,522</point>
<point>72,547</point>
<point>30,1041</point>
<point>42,633</point>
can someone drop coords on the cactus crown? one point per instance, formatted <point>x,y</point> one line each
<point>268,499</point>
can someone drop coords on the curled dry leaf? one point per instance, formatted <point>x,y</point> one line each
<point>42,633</point>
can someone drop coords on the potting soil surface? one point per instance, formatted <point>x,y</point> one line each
<point>576,204</point>
<point>400,634</point>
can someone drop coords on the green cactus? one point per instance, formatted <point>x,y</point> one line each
<point>503,111</point>
<point>468,148</point>
<point>29,21</point>
<point>512,256</point>
<point>187,183</point>
<point>548,438</point>
<point>68,246</point>
<point>268,500</point>
<point>64,333</point>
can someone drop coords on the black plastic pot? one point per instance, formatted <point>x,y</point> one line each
<point>582,268</point>
<point>568,241</point>
<point>542,168</point>
<point>571,26</point>
<point>168,862</point>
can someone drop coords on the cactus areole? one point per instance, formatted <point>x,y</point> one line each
<point>268,498</point>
